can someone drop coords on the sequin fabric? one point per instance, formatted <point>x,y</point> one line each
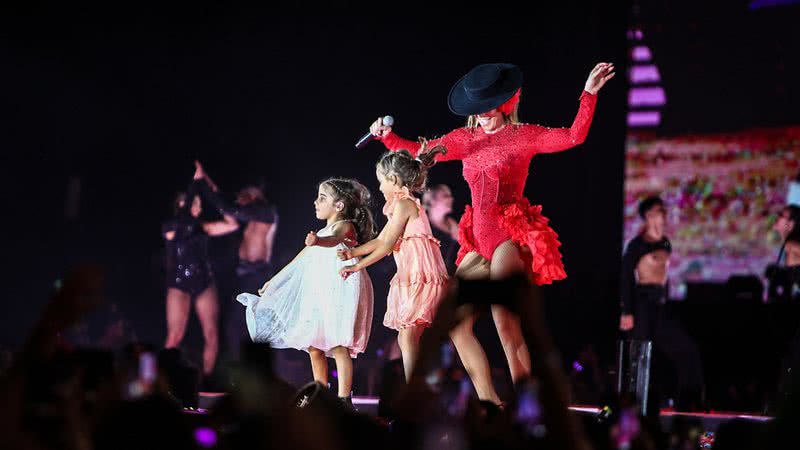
<point>496,167</point>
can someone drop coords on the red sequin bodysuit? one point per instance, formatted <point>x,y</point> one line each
<point>496,168</point>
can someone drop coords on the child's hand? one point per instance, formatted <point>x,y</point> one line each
<point>263,288</point>
<point>311,239</point>
<point>344,254</point>
<point>346,271</point>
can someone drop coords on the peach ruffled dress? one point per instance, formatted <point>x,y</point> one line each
<point>421,279</point>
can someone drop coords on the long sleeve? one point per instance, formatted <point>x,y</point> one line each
<point>456,142</point>
<point>182,222</point>
<point>549,140</point>
<point>192,190</point>
<point>254,212</point>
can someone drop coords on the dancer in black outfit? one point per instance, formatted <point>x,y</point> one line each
<point>189,275</point>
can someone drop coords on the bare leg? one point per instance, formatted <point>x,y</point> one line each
<point>344,369</point>
<point>178,306</point>
<point>467,345</point>
<point>408,339</point>
<point>319,365</point>
<point>474,359</point>
<point>507,261</point>
<point>207,309</point>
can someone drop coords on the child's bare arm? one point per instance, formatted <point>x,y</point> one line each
<point>343,232</point>
<point>384,244</point>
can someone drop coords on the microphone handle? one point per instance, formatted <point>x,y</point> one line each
<point>365,140</point>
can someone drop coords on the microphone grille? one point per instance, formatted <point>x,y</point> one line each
<point>388,121</point>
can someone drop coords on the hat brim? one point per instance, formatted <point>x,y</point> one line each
<point>460,104</point>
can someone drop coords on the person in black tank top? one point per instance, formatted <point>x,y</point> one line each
<point>644,291</point>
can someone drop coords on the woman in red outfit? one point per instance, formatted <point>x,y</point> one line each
<point>502,233</point>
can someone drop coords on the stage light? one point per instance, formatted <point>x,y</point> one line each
<point>205,437</point>
<point>646,96</point>
<point>641,53</point>
<point>647,73</point>
<point>643,118</point>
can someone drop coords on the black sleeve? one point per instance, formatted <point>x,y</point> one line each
<point>256,212</point>
<point>180,224</point>
<point>192,190</point>
<point>267,214</point>
<point>628,275</point>
<point>213,197</point>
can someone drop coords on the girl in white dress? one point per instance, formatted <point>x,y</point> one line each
<point>307,305</point>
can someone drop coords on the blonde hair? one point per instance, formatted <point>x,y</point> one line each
<point>510,119</point>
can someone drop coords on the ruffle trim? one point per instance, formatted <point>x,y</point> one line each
<point>426,237</point>
<point>527,227</point>
<point>420,278</point>
<point>418,322</point>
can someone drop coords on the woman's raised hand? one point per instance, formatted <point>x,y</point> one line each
<point>601,73</point>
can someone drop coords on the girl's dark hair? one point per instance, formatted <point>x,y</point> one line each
<point>408,171</point>
<point>356,199</point>
<point>182,203</point>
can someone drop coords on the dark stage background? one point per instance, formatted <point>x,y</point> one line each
<point>122,103</point>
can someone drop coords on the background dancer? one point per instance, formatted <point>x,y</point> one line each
<point>258,221</point>
<point>189,275</point>
<point>644,292</point>
<point>438,202</point>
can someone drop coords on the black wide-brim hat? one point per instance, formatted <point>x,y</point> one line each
<point>484,88</point>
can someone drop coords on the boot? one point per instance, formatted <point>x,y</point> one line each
<point>347,402</point>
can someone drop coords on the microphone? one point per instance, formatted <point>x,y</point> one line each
<point>387,120</point>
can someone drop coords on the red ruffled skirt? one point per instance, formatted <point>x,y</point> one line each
<point>525,225</point>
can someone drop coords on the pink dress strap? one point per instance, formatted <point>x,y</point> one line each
<point>400,195</point>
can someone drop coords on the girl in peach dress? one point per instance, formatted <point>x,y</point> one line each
<point>420,282</point>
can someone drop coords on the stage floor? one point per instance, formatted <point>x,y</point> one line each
<point>711,420</point>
